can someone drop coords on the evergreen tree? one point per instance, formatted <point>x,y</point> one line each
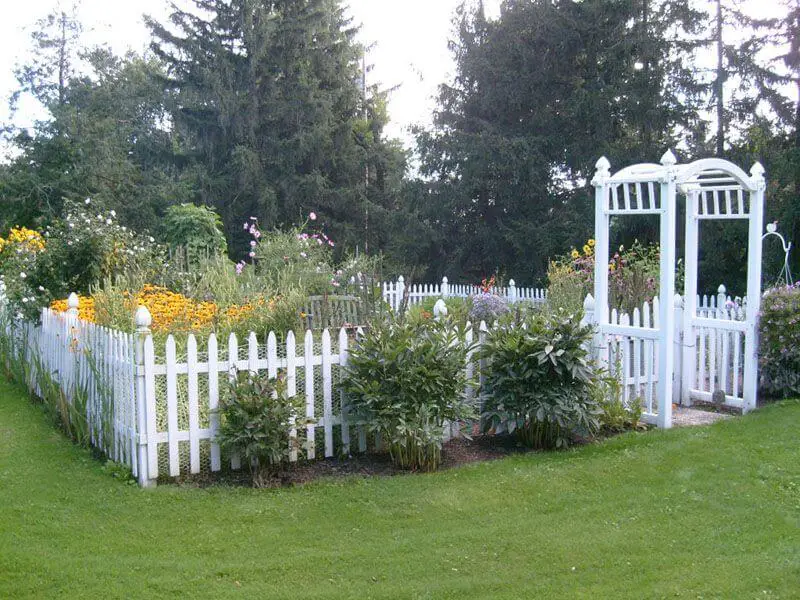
<point>268,94</point>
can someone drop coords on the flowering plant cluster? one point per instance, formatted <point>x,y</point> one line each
<point>779,340</point>
<point>487,307</point>
<point>20,254</point>
<point>302,257</point>
<point>633,276</point>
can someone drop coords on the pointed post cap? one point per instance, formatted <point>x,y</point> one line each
<point>588,303</point>
<point>401,278</point>
<point>143,318</point>
<point>722,289</point>
<point>772,227</point>
<point>602,170</point>
<point>445,279</point>
<point>602,166</point>
<point>511,283</point>
<point>668,159</point>
<point>73,301</point>
<point>678,299</point>
<point>757,170</point>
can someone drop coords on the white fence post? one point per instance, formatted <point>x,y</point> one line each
<point>677,379</point>
<point>143,321</point>
<point>512,291</point>
<point>721,297</point>
<point>445,287</point>
<point>400,291</point>
<point>588,319</point>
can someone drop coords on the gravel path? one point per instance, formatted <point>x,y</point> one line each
<point>684,416</point>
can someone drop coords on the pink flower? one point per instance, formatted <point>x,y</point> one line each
<point>246,227</point>
<point>252,255</point>
<point>312,216</point>
<point>239,267</point>
<point>331,244</point>
<point>252,243</point>
<point>257,234</point>
<point>335,284</point>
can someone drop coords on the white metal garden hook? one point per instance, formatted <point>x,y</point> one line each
<point>772,229</point>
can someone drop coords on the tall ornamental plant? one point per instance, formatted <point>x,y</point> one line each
<point>405,381</point>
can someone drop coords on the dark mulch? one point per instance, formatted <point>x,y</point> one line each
<point>456,452</point>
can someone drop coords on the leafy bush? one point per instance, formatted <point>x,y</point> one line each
<point>197,230</point>
<point>404,381</point>
<point>616,415</point>
<point>20,253</point>
<point>539,382</point>
<point>779,339</point>
<point>255,422</point>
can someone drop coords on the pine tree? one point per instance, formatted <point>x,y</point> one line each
<point>268,95</point>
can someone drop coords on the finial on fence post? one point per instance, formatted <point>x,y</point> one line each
<point>512,291</point>
<point>143,320</point>
<point>73,302</point>
<point>445,287</point>
<point>721,297</point>
<point>757,175</point>
<point>668,159</point>
<point>439,310</point>
<point>602,171</point>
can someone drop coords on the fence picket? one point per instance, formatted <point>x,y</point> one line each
<point>327,392</point>
<point>233,365</point>
<point>194,407</point>
<point>291,390</point>
<point>213,400</point>
<point>308,378</point>
<point>343,358</point>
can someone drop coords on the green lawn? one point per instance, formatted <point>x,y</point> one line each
<point>694,513</point>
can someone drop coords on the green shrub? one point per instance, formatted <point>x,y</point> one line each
<point>539,383</point>
<point>616,415</point>
<point>404,380</point>
<point>255,422</point>
<point>196,230</point>
<point>779,339</point>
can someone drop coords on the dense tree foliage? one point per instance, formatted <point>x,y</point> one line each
<point>258,108</point>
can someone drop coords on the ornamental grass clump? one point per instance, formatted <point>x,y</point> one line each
<point>539,384</point>
<point>779,341</point>
<point>405,381</point>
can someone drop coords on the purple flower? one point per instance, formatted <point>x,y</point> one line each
<point>239,267</point>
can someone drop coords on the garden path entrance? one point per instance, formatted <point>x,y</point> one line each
<point>681,352</point>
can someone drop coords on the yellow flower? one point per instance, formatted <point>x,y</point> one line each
<point>575,253</point>
<point>590,243</point>
<point>587,250</point>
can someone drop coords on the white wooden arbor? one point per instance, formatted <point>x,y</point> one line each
<point>713,189</point>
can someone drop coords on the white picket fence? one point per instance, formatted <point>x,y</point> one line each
<point>630,351</point>
<point>151,405</point>
<point>393,292</point>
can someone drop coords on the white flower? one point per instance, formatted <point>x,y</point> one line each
<point>22,275</point>
<point>25,300</point>
<point>113,213</point>
<point>152,239</point>
<point>41,288</point>
<point>108,221</point>
<point>87,201</point>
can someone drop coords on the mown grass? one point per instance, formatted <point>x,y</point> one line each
<point>694,513</point>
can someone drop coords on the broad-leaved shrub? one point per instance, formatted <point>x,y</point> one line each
<point>405,380</point>
<point>540,383</point>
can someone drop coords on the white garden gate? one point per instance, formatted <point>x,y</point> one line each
<point>717,350</point>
